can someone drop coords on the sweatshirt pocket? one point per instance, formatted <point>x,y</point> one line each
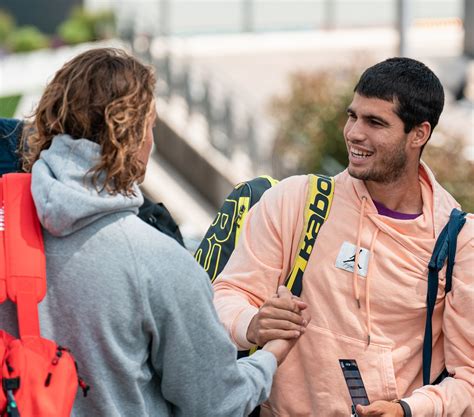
<point>310,382</point>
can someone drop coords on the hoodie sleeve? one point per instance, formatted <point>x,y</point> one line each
<point>193,356</point>
<point>454,395</point>
<point>262,257</point>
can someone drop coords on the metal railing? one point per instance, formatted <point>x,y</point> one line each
<point>231,127</point>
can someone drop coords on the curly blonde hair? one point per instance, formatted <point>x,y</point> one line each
<point>106,96</point>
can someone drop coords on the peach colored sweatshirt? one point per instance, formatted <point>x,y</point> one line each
<point>392,296</point>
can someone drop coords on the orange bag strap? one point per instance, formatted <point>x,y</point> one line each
<point>24,258</point>
<point>3,272</point>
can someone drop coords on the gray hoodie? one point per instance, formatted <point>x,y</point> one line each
<point>132,304</point>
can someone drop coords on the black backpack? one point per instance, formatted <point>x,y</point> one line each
<point>10,131</point>
<point>158,216</point>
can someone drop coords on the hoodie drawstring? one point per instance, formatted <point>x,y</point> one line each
<point>355,273</point>
<point>367,286</point>
<point>355,284</point>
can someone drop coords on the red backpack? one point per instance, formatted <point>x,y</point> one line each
<point>38,376</point>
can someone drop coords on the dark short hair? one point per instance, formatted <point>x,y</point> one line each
<point>410,84</point>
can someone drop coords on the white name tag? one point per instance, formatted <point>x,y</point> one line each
<point>346,258</point>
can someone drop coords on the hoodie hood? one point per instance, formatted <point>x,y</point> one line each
<point>437,206</point>
<point>62,191</point>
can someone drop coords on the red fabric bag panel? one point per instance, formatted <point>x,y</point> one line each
<point>47,375</point>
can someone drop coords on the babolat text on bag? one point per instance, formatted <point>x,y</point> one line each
<point>223,234</point>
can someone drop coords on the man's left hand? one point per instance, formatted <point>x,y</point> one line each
<point>380,409</point>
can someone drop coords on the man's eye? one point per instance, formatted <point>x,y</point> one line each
<point>376,123</point>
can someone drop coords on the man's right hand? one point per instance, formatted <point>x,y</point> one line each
<point>279,317</point>
<point>285,313</point>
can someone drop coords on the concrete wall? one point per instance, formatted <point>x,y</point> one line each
<point>195,167</point>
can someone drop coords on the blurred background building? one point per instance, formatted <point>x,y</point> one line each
<point>237,77</point>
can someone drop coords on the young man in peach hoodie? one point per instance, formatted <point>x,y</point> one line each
<point>385,217</point>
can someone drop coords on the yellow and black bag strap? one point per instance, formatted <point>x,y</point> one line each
<point>318,205</point>
<point>316,211</point>
<point>245,202</point>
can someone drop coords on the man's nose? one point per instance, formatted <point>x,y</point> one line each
<point>355,131</point>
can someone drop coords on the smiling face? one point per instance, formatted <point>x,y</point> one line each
<point>376,142</point>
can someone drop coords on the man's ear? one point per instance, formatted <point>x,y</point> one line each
<point>420,134</point>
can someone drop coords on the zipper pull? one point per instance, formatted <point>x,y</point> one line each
<point>85,388</point>
<point>54,362</point>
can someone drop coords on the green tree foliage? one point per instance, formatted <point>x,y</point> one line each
<point>86,26</point>
<point>25,39</point>
<point>7,24</point>
<point>310,122</point>
<point>20,39</point>
<point>73,32</point>
<point>452,169</point>
<point>82,26</point>
<point>309,135</point>
<point>8,105</point>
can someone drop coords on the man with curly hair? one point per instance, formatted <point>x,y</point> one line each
<point>155,214</point>
<point>131,303</point>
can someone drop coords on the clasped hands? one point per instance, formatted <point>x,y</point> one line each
<point>279,323</point>
<point>283,316</point>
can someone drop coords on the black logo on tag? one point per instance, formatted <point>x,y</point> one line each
<point>351,260</point>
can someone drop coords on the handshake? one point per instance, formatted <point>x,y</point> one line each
<point>279,323</point>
